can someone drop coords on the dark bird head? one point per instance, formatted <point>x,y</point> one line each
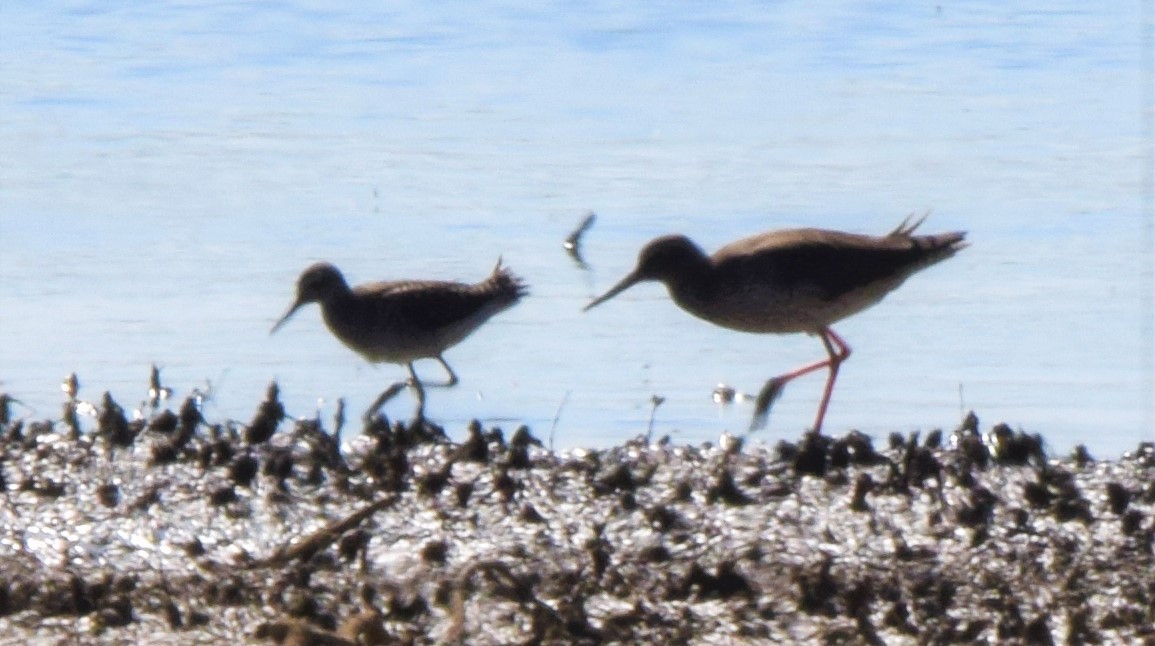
<point>317,284</point>
<point>665,259</point>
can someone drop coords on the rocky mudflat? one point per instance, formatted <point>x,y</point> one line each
<point>173,529</point>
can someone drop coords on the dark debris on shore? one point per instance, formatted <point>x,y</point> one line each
<point>174,529</point>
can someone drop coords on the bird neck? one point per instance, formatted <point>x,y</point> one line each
<point>691,281</point>
<point>336,296</point>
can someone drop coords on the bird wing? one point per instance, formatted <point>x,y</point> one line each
<point>830,263</point>
<point>424,304</point>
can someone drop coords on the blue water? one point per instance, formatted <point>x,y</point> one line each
<point>168,169</point>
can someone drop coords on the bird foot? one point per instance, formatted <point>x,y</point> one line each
<point>766,398</point>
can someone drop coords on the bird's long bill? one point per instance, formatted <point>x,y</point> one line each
<point>623,285</point>
<point>292,310</point>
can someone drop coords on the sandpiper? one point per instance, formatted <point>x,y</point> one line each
<point>795,280</point>
<point>405,320</point>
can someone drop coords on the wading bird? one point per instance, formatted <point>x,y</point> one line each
<point>794,280</point>
<point>405,320</point>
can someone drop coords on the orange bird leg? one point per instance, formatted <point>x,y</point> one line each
<point>837,351</point>
<point>830,340</point>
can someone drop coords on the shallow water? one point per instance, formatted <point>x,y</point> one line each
<point>169,169</point>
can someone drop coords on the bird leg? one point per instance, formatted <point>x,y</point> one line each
<point>449,371</point>
<point>418,390</point>
<point>395,388</point>
<point>418,387</point>
<point>830,340</point>
<point>452,377</point>
<point>836,350</point>
<point>386,395</point>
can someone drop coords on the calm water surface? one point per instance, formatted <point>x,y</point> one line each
<point>170,168</point>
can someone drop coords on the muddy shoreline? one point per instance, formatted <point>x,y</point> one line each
<point>175,529</point>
